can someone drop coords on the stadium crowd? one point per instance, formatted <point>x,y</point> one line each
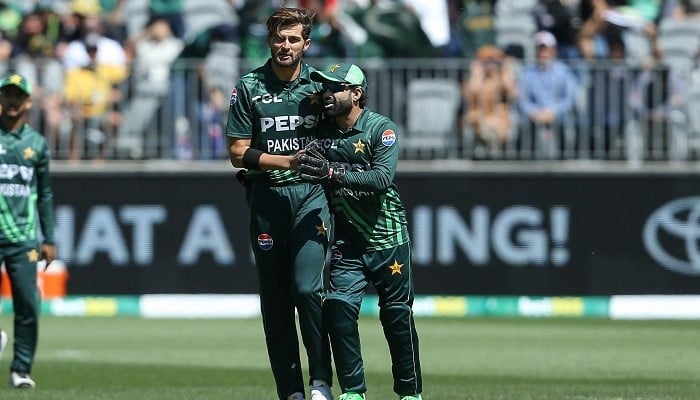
<point>147,79</point>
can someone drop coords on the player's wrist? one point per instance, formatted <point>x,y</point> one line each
<point>251,158</point>
<point>336,173</point>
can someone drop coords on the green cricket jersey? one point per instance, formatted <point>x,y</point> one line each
<point>367,208</point>
<point>278,117</point>
<point>25,186</point>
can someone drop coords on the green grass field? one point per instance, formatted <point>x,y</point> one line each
<point>582,359</point>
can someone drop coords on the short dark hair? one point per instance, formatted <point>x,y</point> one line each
<point>285,17</point>
<point>363,99</point>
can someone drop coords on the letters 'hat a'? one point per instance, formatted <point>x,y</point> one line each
<point>19,81</point>
<point>346,73</point>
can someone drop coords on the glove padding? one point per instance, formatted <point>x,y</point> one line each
<point>315,168</point>
<point>315,146</point>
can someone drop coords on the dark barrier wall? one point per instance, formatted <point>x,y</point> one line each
<point>524,234</point>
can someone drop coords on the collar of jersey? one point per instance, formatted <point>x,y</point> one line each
<point>359,124</point>
<point>17,133</point>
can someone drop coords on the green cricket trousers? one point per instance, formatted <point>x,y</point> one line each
<point>289,228</point>
<point>20,262</point>
<point>390,273</point>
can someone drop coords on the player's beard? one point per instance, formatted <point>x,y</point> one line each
<point>12,113</point>
<point>339,107</point>
<point>293,61</point>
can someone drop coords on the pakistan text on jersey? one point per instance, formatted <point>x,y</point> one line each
<point>289,144</point>
<point>284,123</point>
<point>9,171</point>
<point>15,190</point>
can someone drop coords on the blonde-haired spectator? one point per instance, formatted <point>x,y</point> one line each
<point>489,93</point>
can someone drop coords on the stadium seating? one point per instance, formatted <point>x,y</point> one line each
<point>431,122</point>
<point>199,15</point>
<point>679,41</point>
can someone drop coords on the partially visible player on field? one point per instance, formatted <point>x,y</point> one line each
<point>25,189</point>
<point>274,112</point>
<point>371,240</point>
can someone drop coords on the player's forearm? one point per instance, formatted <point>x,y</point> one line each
<point>46,221</point>
<point>276,161</point>
<point>244,156</point>
<point>375,180</point>
<point>45,203</point>
<point>264,161</point>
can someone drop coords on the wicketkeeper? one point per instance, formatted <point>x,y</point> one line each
<point>371,236</point>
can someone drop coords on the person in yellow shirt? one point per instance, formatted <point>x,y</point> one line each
<point>90,93</point>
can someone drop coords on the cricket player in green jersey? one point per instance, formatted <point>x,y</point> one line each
<point>25,194</point>
<point>371,241</point>
<point>274,112</point>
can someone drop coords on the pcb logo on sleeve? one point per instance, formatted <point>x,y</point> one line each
<point>672,235</point>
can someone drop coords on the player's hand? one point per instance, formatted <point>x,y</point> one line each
<point>315,168</point>
<point>242,179</point>
<point>314,149</point>
<point>48,253</point>
<point>315,146</point>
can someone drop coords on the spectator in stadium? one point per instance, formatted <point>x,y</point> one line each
<point>547,94</point>
<point>113,20</point>
<point>327,37</point>
<point>562,19</point>
<point>273,111</point>
<point>607,96</point>
<point>215,52</point>
<point>488,94</point>
<point>371,242</point>
<point>110,53</point>
<point>91,96</point>
<point>476,26</point>
<point>41,39</point>
<point>40,33</point>
<point>10,19</point>
<point>656,98</point>
<point>406,37</point>
<point>95,66</point>
<point>688,8</point>
<point>171,11</point>
<point>154,50</point>
<point>6,46</point>
<point>25,149</point>
<point>601,16</point>
<point>435,22</point>
<point>216,73</point>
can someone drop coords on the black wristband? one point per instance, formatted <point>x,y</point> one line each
<point>251,158</point>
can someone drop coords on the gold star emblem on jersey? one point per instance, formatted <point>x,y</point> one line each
<point>28,153</point>
<point>395,268</point>
<point>321,229</point>
<point>359,146</point>
<point>33,255</point>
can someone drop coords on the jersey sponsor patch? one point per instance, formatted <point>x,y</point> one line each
<point>265,241</point>
<point>336,256</point>
<point>388,138</point>
<point>234,97</point>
